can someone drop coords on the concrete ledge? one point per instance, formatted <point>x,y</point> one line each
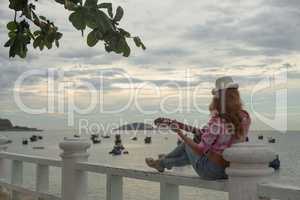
<point>167,177</point>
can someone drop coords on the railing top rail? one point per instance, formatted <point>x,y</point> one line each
<point>183,180</point>
<point>28,191</point>
<point>279,191</point>
<point>31,159</point>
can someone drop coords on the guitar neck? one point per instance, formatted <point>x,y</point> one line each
<point>189,128</point>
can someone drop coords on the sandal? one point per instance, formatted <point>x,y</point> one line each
<point>154,164</point>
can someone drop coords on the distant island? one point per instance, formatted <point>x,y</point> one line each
<point>135,126</point>
<point>6,125</point>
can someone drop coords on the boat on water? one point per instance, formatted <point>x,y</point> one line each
<point>105,136</point>
<point>134,138</point>
<point>24,141</point>
<point>38,147</point>
<point>271,140</point>
<point>95,138</point>
<point>33,138</point>
<point>148,140</point>
<point>76,135</point>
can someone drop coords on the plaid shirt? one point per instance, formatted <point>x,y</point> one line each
<point>217,135</point>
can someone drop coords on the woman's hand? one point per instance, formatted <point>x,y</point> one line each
<point>179,132</point>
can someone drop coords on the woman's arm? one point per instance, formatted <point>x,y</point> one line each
<point>193,145</point>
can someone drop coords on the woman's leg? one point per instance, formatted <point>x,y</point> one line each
<point>177,152</point>
<point>179,161</point>
<point>192,156</point>
<point>176,158</point>
<point>203,167</point>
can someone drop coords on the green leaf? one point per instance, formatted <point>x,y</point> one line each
<point>37,42</point>
<point>60,1</point>
<point>124,33</point>
<point>103,21</point>
<point>77,19</point>
<point>56,43</point>
<point>36,33</point>
<point>70,5</point>
<point>17,5</point>
<point>92,38</point>
<point>107,6</point>
<point>119,14</point>
<point>126,48</point>
<point>43,18</point>
<point>7,44</point>
<point>12,34</point>
<point>58,35</point>
<point>91,3</point>
<point>12,25</point>
<point>91,19</point>
<point>138,42</point>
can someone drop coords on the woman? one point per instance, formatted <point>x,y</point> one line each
<point>228,124</point>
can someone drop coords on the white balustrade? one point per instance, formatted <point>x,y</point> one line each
<point>74,181</point>
<point>42,178</point>
<point>249,166</point>
<point>169,191</point>
<point>114,187</point>
<point>248,175</point>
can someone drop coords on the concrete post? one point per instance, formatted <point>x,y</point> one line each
<point>248,167</point>
<point>74,182</point>
<point>4,141</point>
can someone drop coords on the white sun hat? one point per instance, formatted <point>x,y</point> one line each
<point>224,82</point>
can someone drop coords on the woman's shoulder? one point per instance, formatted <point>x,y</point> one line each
<point>245,115</point>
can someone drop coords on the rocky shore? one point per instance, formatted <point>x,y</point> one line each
<point>6,125</point>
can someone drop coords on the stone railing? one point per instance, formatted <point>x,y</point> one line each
<point>248,175</point>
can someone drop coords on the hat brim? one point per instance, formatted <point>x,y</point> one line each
<point>228,86</point>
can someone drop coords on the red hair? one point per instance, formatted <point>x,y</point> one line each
<point>229,105</point>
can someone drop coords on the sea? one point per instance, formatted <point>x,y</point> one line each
<point>287,146</point>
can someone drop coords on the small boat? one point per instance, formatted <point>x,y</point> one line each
<point>260,137</point>
<point>275,164</point>
<point>38,147</point>
<point>134,138</point>
<point>271,140</point>
<point>76,135</point>
<point>94,136</point>
<point>33,138</point>
<point>116,151</point>
<point>148,140</point>
<point>105,136</point>
<point>25,142</point>
<point>125,152</point>
<point>96,140</point>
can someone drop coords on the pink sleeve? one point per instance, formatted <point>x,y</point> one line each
<point>210,133</point>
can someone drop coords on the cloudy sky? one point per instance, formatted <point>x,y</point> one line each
<point>189,44</point>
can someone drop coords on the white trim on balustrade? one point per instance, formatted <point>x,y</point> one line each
<point>279,191</point>
<point>167,177</point>
<point>247,175</point>
<point>31,159</point>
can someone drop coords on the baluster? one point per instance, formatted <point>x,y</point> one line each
<point>17,177</point>
<point>3,166</point>
<point>169,191</point>
<point>114,187</point>
<point>74,182</point>
<point>42,178</point>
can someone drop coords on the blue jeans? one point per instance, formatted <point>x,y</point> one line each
<point>183,155</point>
